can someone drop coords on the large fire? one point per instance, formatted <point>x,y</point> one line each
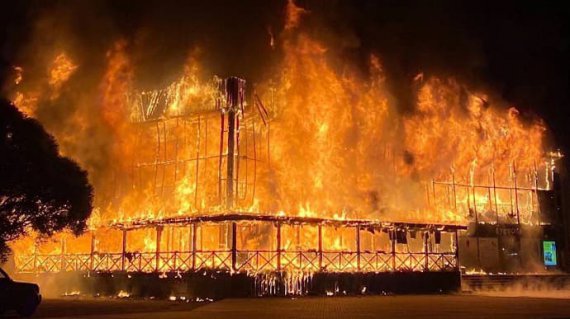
<point>319,139</point>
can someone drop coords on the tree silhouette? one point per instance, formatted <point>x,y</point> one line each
<point>39,189</point>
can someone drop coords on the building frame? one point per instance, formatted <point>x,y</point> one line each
<point>278,259</point>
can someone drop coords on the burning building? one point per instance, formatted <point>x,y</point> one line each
<point>312,175</point>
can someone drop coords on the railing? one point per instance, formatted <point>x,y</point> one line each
<point>250,261</point>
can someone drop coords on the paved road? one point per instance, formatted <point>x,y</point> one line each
<point>458,306</point>
<point>463,307</point>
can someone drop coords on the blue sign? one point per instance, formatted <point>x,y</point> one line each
<point>549,253</point>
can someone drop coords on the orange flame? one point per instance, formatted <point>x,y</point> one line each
<point>339,147</point>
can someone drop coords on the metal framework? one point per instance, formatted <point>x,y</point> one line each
<point>500,212</point>
<point>491,204</point>
<point>214,148</point>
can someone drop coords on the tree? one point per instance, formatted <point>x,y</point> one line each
<point>39,189</point>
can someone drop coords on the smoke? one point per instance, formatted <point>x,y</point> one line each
<point>549,286</point>
<point>480,42</point>
<point>470,41</point>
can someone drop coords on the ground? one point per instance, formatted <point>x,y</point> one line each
<point>440,306</point>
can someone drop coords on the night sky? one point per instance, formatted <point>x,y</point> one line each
<point>517,48</point>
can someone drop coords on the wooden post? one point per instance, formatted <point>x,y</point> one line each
<point>222,129</point>
<point>426,250</point>
<point>197,162</point>
<point>320,234</point>
<point>475,205</point>
<point>479,253</point>
<point>92,252</point>
<point>358,247</point>
<point>278,246</point>
<point>456,249</point>
<point>173,251</point>
<point>194,246</point>
<point>157,254</point>
<point>234,246</point>
<point>495,196</point>
<point>499,241</point>
<point>516,195</point>
<point>393,250</point>
<point>123,249</point>
<point>234,97</point>
<point>230,159</point>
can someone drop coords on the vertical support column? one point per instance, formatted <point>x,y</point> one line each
<point>123,249</point>
<point>393,249</point>
<point>278,246</point>
<point>475,205</point>
<point>234,88</point>
<point>457,249</point>
<point>92,252</point>
<point>171,249</point>
<point>479,253</point>
<point>539,217</point>
<point>194,246</point>
<point>197,179</point>
<point>222,129</point>
<point>320,234</point>
<point>230,159</point>
<point>358,247</point>
<point>498,220</point>
<point>234,246</point>
<point>157,253</point>
<point>495,196</point>
<point>299,249</point>
<point>426,250</point>
<point>516,195</point>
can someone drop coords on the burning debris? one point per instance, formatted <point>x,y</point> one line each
<point>123,294</point>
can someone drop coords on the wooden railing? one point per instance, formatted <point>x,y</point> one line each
<point>250,261</point>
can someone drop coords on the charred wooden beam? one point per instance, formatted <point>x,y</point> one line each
<point>358,247</point>
<point>234,246</point>
<point>194,246</point>
<point>320,234</point>
<point>289,220</point>
<point>278,225</point>
<point>123,249</point>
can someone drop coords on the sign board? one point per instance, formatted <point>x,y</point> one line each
<point>549,253</point>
